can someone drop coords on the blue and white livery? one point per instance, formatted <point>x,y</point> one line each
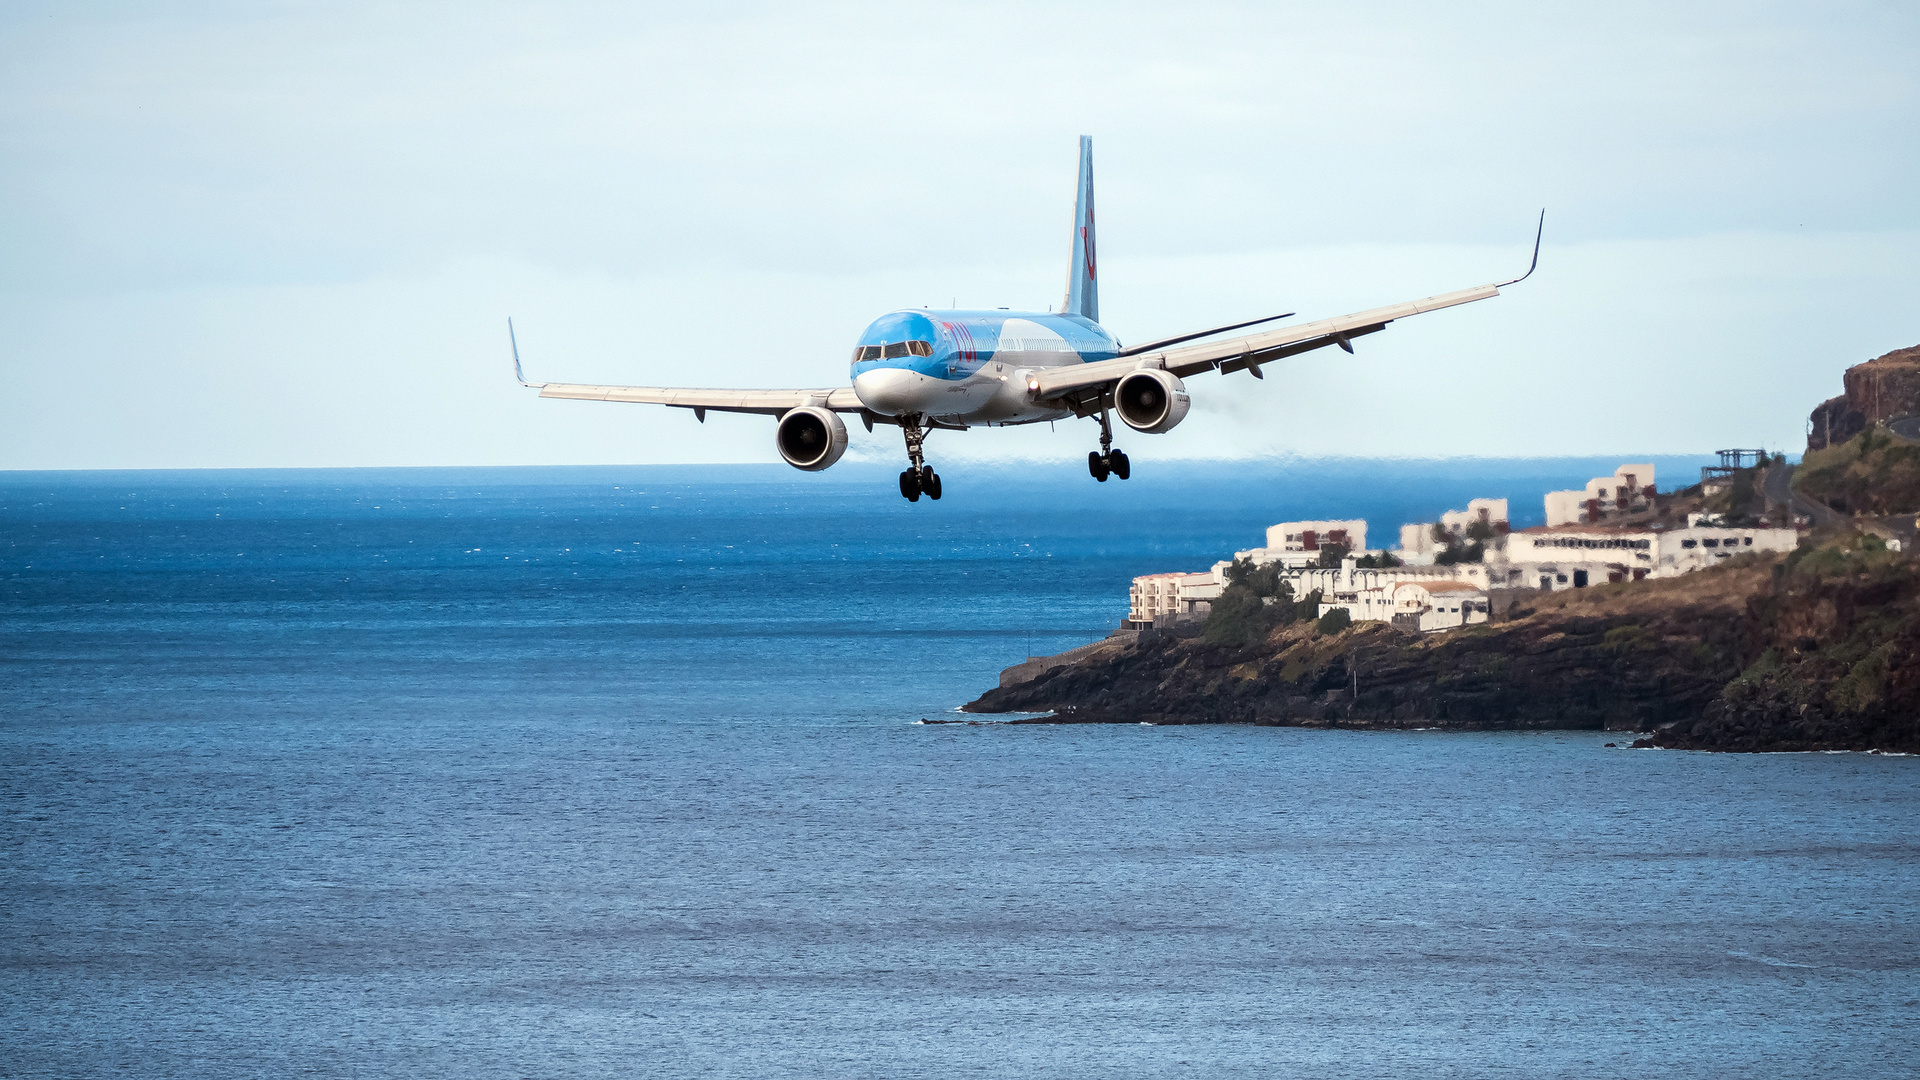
<point>923,369</point>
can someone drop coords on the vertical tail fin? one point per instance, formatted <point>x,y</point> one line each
<point>1083,291</point>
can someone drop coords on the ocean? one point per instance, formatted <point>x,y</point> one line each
<point>618,771</point>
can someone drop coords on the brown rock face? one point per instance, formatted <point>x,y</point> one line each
<point>1884,387</point>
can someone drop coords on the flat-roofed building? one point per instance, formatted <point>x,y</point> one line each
<point>1629,490</point>
<point>1156,597</point>
<point>1553,557</point>
<point>1302,543</point>
<point>1575,556</point>
<point>1701,546</point>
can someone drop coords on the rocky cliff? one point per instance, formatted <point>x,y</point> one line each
<point>1884,387</point>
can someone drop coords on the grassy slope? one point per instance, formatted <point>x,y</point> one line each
<point>1872,473</point>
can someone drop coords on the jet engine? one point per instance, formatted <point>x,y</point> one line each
<point>812,438</point>
<point>1151,400</point>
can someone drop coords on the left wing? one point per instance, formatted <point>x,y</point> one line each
<point>1235,354</point>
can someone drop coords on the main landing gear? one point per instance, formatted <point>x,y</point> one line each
<point>919,478</point>
<point>1108,460</point>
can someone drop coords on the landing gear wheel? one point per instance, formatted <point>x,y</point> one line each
<point>1118,462</point>
<point>1097,465</point>
<point>910,485</point>
<point>930,482</point>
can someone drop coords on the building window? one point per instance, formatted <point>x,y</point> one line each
<point>1689,543</point>
<point>1709,543</point>
<point>1747,540</point>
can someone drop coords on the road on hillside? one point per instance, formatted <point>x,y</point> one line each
<point>1906,427</point>
<point>1779,489</point>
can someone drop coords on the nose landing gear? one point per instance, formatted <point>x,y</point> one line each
<point>1108,460</point>
<point>919,478</point>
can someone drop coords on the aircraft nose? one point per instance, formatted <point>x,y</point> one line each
<point>888,391</point>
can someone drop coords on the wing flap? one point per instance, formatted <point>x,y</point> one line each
<point>769,402</point>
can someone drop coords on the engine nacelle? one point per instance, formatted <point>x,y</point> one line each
<point>1151,400</point>
<point>811,438</point>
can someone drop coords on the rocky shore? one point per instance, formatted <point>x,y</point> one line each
<point>1817,650</point>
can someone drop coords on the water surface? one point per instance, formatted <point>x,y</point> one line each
<point>595,772</point>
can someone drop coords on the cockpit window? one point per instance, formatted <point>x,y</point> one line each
<point>896,349</point>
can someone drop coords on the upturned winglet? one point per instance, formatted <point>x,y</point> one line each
<point>517,373</point>
<point>1538,233</point>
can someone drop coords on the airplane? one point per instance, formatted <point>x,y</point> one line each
<point>928,370</point>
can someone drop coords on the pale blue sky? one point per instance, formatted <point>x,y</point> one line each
<point>289,234</point>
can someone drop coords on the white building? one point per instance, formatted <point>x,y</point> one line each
<point>1368,595</point>
<point>1412,597</point>
<point>1438,605</point>
<point>1417,544</point>
<point>1300,543</point>
<point>1170,596</point>
<point>1575,556</point>
<point>1628,490</point>
<point>1696,548</point>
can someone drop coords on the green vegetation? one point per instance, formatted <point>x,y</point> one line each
<point>1331,554</point>
<point>1470,549</point>
<point>1625,639</point>
<point>1379,561</point>
<point>1871,473</point>
<point>1255,602</point>
<point>1741,503</point>
<point>1334,621</point>
<point>1841,628</point>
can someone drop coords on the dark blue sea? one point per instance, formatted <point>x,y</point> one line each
<point>617,772</point>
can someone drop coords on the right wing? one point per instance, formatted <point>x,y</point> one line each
<point>767,402</point>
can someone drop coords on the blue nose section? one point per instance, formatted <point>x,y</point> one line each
<point>906,340</point>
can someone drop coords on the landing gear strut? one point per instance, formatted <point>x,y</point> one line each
<point>919,477</point>
<point>1108,460</point>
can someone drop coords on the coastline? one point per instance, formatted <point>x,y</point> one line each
<point>1685,663</point>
